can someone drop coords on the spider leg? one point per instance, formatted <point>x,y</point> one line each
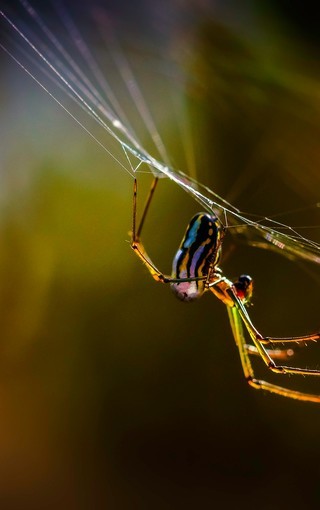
<point>237,330</point>
<point>306,338</point>
<point>274,353</point>
<point>259,340</point>
<point>136,233</point>
<point>138,247</point>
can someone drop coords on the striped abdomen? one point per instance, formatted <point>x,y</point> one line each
<point>199,248</point>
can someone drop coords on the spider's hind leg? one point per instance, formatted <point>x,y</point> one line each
<point>136,244</point>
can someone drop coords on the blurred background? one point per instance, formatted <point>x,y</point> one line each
<point>113,394</point>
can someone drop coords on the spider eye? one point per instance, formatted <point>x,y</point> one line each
<point>245,280</point>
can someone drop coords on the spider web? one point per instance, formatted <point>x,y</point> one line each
<point>50,63</point>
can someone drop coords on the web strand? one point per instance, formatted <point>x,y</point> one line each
<point>262,232</point>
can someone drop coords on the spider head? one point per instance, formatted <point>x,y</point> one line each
<point>244,288</point>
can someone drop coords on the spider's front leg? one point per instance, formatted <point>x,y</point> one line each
<point>236,322</point>
<point>260,341</point>
<point>243,288</point>
<point>273,353</point>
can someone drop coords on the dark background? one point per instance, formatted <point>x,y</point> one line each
<point>112,393</point>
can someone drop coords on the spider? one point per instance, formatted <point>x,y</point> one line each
<point>195,271</point>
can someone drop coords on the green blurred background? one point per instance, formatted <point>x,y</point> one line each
<point>112,393</point>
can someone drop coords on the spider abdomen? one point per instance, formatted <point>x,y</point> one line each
<point>198,252</point>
